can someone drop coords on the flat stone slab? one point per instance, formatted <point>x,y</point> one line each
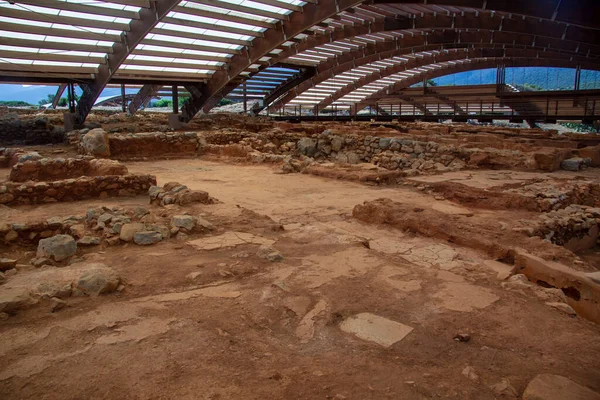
<point>556,387</point>
<point>374,328</point>
<point>228,239</point>
<point>464,297</point>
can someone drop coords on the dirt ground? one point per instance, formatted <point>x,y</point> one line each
<point>207,321</point>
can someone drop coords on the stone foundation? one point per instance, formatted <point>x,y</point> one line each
<point>54,169</point>
<point>12,193</point>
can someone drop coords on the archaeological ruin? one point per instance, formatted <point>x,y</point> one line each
<point>300,199</point>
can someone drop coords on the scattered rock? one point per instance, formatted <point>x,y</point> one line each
<point>11,235</point>
<point>575,164</point>
<point>39,261</point>
<point>99,279</point>
<point>7,263</point>
<point>58,248</point>
<point>176,193</point>
<point>567,309</point>
<point>307,146</point>
<point>204,224</point>
<point>269,253</point>
<point>145,238</point>
<point>186,222</point>
<point>129,230</point>
<point>556,387</point>
<point>193,275</point>
<point>12,300</point>
<point>95,143</point>
<point>470,373</point>
<point>57,304</point>
<point>504,389</point>
<point>88,241</point>
<point>462,337</point>
<point>112,241</point>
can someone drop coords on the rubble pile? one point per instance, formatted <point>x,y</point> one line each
<point>176,193</point>
<point>550,196</point>
<point>575,227</point>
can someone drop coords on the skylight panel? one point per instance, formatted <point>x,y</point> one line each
<point>104,4</point>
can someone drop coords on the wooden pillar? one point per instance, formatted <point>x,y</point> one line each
<point>123,101</point>
<point>245,99</point>
<point>175,95</point>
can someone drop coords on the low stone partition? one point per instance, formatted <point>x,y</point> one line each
<point>54,169</point>
<point>155,144</point>
<point>12,193</point>
<point>11,156</point>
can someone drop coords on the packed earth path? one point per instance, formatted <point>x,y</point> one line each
<point>292,293</point>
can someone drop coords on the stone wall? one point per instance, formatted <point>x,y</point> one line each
<point>12,193</point>
<point>15,129</point>
<point>575,227</point>
<point>414,153</point>
<point>388,153</point>
<point>155,144</point>
<point>54,169</point>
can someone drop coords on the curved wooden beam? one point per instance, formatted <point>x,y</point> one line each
<point>138,29</point>
<point>483,27</point>
<point>299,21</point>
<point>450,55</point>
<point>473,64</point>
<point>384,50</point>
<point>579,12</point>
<point>552,35</point>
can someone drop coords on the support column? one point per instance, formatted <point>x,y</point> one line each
<point>70,118</point>
<point>71,95</point>
<point>245,99</point>
<point>175,119</point>
<point>500,77</point>
<point>577,78</point>
<point>175,97</point>
<point>123,101</point>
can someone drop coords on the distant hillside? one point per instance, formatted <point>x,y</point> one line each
<point>33,94</point>
<point>545,78</point>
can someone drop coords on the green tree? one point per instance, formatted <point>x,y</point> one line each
<point>48,100</point>
<point>224,102</point>
<point>14,103</point>
<point>162,103</point>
